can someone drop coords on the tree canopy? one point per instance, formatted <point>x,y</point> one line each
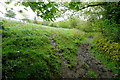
<point>46,11</point>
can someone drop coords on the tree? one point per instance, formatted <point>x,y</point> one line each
<point>109,23</point>
<point>112,11</point>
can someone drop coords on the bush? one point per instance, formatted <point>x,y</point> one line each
<point>109,48</point>
<point>63,24</point>
<point>52,24</point>
<point>73,22</point>
<point>27,20</point>
<point>1,24</point>
<point>108,29</point>
<point>46,23</point>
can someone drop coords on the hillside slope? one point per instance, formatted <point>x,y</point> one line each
<point>28,51</point>
<point>41,52</point>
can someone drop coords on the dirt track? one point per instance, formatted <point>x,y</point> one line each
<point>84,62</point>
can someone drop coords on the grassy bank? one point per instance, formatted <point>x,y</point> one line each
<point>106,50</point>
<point>28,50</point>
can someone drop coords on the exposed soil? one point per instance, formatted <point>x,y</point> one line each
<point>84,63</point>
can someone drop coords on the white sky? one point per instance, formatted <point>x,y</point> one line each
<point>28,14</point>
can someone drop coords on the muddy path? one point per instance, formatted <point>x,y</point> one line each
<point>84,62</point>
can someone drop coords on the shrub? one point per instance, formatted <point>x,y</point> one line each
<point>73,22</point>
<point>53,24</point>
<point>63,24</point>
<point>108,28</point>
<point>46,23</point>
<point>27,20</point>
<point>109,48</point>
<point>1,24</point>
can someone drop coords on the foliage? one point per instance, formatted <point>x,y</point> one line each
<point>46,11</point>
<point>63,24</point>
<point>108,63</point>
<point>112,14</point>
<point>1,23</point>
<point>100,47</point>
<point>46,23</point>
<point>111,49</point>
<point>26,20</point>
<point>112,11</point>
<point>73,5</point>
<point>28,52</point>
<point>108,25</point>
<point>107,28</point>
<point>51,24</point>
<point>71,23</point>
<point>10,14</point>
<point>91,74</point>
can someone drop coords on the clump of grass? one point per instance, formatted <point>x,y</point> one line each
<point>91,74</point>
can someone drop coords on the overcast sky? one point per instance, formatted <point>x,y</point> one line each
<point>28,14</point>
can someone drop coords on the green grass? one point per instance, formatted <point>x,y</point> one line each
<point>91,74</point>
<point>28,53</point>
